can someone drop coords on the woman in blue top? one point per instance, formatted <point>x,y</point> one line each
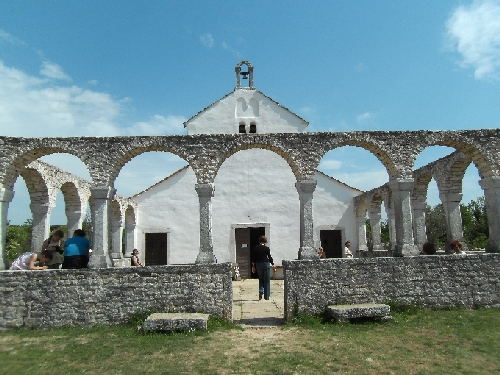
<point>76,251</point>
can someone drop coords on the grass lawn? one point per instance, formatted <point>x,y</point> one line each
<point>416,341</point>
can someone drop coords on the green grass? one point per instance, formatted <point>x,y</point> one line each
<point>416,341</point>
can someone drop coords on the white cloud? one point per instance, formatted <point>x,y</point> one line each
<point>54,71</point>
<point>6,37</point>
<point>33,107</point>
<point>207,40</point>
<point>365,117</point>
<point>330,164</point>
<point>158,125</point>
<point>474,32</point>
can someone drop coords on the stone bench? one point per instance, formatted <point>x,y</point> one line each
<point>344,313</point>
<point>175,322</point>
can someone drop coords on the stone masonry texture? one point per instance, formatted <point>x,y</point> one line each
<point>431,281</point>
<point>86,297</point>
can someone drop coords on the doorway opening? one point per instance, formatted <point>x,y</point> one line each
<point>331,242</point>
<point>246,239</point>
<point>156,249</point>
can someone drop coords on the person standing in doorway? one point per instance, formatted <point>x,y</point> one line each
<point>347,249</point>
<point>261,262</point>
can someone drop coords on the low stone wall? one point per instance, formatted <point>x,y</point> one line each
<point>446,280</point>
<point>55,298</point>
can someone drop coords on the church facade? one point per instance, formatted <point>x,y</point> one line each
<point>254,193</point>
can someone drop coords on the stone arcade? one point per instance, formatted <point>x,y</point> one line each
<point>247,128</point>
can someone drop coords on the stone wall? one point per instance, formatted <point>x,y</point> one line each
<point>444,280</point>
<point>86,297</point>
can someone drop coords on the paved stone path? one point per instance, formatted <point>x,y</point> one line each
<point>249,312</point>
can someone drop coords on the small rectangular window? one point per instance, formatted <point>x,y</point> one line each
<point>253,128</point>
<point>242,129</point>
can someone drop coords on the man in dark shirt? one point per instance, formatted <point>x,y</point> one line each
<point>261,262</point>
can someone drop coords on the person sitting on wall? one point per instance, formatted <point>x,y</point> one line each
<point>321,253</point>
<point>428,249</point>
<point>76,251</point>
<point>54,244</point>
<point>134,260</point>
<point>456,248</point>
<point>27,261</point>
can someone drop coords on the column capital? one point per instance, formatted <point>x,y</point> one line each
<point>418,205</point>
<point>450,197</point>
<point>490,182</point>
<point>401,185</point>
<point>41,208</point>
<point>102,192</point>
<point>306,186</point>
<point>205,190</point>
<point>6,195</point>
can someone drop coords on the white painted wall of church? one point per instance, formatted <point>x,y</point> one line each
<point>252,187</point>
<point>225,115</point>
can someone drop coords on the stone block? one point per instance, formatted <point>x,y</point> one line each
<point>176,322</point>
<point>344,313</point>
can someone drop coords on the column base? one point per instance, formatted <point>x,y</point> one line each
<point>406,250</point>
<point>307,252</point>
<point>204,257</point>
<point>99,261</point>
<point>492,248</point>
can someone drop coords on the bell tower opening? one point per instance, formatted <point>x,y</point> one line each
<point>244,75</point>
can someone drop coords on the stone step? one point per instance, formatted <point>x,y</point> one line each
<point>175,322</point>
<point>344,313</point>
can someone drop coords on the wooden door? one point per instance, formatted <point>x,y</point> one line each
<point>156,249</point>
<point>242,237</point>
<point>331,242</point>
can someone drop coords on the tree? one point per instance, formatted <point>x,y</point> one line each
<point>384,232</point>
<point>435,225</point>
<point>475,223</point>
<point>18,240</point>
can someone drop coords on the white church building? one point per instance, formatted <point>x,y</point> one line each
<point>254,192</point>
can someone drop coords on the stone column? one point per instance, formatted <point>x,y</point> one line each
<point>401,195</point>
<point>129,238</point>
<point>306,189</point>
<point>391,223</point>
<point>75,219</point>
<point>41,224</point>
<point>6,196</point>
<point>205,194</point>
<point>374,217</point>
<point>361,234</point>
<point>101,212</point>
<point>116,239</point>
<point>453,216</point>
<point>419,228</point>
<point>491,187</point>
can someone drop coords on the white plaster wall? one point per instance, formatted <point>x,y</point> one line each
<point>247,106</point>
<point>171,206</point>
<point>333,209</point>
<point>256,186</point>
<point>253,187</point>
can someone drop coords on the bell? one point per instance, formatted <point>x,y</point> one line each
<point>245,75</point>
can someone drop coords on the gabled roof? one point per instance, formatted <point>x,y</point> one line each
<point>242,88</point>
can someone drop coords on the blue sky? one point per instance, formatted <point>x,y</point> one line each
<point>97,68</point>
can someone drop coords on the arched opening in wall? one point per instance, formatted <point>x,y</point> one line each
<point>455,203</point>
<point>39,206</point>
<point>159,182</point>
<point>350,171</point>
<point>255,195</point>
<point>145,170</point>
